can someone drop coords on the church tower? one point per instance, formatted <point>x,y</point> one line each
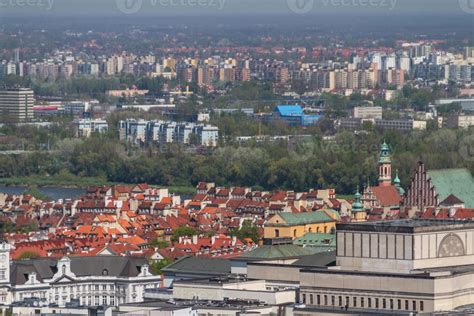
<point>385,166</point>
<point>358,213</point>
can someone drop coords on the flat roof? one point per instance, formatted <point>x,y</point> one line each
<point>407,225</point>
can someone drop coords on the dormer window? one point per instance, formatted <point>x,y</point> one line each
<point>105,272</point>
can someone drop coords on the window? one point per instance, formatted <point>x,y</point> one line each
<point>104,300</point>
<point>2,274</point>
<point>355,301</point>
<point>294,233</point>
<point>333,300</point>
<point>384,303</point>
<point>277,233</point>
<point>406,305</point>
<point>112,300</point>
<point>325,300</point>
<point>311,301</point>
<point>318,299</point>
<point>340,300</point>
<point>96,300</point>
<point>391,303</point>
<point>422,307</point>
<point>399,304</point>
<point>376,303</point>
<point>414,305</point>
<point>303,298</point>
<point>362,303</point>
<point>347,301</point>
<point>369,302</point>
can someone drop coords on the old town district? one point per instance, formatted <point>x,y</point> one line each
<point>230,250</point>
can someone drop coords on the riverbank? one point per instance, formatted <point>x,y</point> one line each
<point>75,182</point>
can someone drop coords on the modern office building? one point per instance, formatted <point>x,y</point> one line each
<point>16,105</point>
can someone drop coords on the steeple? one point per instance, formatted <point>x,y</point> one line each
<point>397,182</point>
<point>358,213</point>
<point>385,166</point>
<point>357,205</point>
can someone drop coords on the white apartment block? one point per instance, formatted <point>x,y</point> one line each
<point>85,127</point>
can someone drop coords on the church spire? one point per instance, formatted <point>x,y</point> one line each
<point>385,166</point>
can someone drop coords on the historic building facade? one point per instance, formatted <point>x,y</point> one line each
<point>382,200</point>
<point>87,281</point>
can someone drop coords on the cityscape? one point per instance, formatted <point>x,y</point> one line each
<point>236,157</point>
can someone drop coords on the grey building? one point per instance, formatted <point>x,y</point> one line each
<point>16,105</point>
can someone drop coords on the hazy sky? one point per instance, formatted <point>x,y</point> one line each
<point>303,7</point>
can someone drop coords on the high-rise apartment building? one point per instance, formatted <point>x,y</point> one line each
<point>16,105</point>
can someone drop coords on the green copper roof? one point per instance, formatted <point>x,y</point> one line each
<point>316,239</point>
<point>305,218</point>
<point>277,252</point>
<point>384,153</point>
<point>458,182</point>
<point>357,205</point>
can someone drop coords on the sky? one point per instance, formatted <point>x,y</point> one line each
<point>234,7</point>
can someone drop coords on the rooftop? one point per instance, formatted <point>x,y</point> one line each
<point>407,225</point>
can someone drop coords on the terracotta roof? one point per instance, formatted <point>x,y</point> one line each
<point>387,196</point>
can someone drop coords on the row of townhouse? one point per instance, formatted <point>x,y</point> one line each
<point>166,132</point>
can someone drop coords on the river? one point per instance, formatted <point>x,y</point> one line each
<point>53,192</point>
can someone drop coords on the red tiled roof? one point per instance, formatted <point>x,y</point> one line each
<point>387,196</point>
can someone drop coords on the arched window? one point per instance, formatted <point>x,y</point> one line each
<point>63,268</point>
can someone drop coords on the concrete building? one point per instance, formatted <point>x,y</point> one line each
<point>85,127</point>
<point>401,265</point>
<point>16,105</point>
<point>368,112</point>
<point>459,121</point>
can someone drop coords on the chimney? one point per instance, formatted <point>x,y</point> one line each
<point>452,212</point>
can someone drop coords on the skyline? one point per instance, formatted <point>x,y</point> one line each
<point>231,7</point>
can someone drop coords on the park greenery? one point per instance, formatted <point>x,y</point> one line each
<point>342,162</point>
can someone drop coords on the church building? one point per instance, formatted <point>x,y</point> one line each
<point>383,200</point>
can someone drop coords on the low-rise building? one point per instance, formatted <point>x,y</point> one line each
<point>295,225</point>
<point>88,281</point>
<point>85,127</point>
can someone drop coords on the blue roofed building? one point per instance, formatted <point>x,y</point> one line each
<point>294,115</point>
